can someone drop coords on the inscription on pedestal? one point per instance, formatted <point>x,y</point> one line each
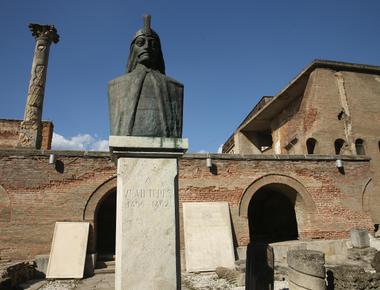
<point>143,198</point>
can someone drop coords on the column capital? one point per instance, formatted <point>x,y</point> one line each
<point>45,31</point>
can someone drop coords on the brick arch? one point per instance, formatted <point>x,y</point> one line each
<point>5,206</point>
<point>91,207</point>
<point>303,196</point>
<point>96,197</point>
<point>366,195</point>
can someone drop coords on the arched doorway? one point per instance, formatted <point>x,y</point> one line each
<point>106,224</point>
<point>271,214</point>
<point>92,207</point>
<point>275,207</point>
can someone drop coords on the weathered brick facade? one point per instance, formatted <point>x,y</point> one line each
<point>327,103</point>
<point>10,129</point>
<point>35,194</point>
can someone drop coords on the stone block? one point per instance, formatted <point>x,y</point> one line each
<point>281,249</point>
<point>377,232</point>
<point>361,256</point>
<point>306,281</point>
<point>132,145</point>
<point>359,238</point>
<point>146,238</point>
<point>293,286</point>
<point>208,236</point>
<point>306,270</point>
<point>307,261</point>
<point>374,242</point>
<point>68,250</point>
<point>376,262</point>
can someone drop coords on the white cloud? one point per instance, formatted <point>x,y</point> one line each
<point>79,142</point>
<point>100,145</point>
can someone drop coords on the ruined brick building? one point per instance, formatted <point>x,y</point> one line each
<point>303,165</point>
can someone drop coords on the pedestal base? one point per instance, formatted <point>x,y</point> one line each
<point>146,241</point>
<point>30,135</point>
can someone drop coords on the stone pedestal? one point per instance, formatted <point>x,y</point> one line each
<point>147,247</point>
<point>306,270</point>
<point>359,238</point>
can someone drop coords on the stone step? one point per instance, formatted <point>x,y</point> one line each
<point>104,264</point>
<point>108,270</point>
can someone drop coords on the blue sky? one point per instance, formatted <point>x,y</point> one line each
<point>227,54</point>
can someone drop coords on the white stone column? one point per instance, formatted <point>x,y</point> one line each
<point>147,245</point>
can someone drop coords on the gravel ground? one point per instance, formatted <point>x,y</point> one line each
<point>60,285</point>
<point>190,281</point>
<point>206,281</point>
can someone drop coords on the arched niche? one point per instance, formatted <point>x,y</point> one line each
<point>312,146</point>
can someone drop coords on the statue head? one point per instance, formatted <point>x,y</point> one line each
<point>146,49</point>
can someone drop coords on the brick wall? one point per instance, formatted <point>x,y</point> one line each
<point>37,194</point>
<point>9,130</point>
<point>47,135</point>
<point>315,115</point>
<point>9,133</point>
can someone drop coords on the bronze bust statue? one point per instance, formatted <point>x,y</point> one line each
<point>144,101</point>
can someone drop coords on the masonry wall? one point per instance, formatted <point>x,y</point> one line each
<point>315,115</point>
<point>336,105</point>
<point>9,133</point>
<point>34,194</point>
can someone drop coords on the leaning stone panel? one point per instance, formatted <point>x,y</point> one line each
<point>208,236</point>
<point>68,250</point>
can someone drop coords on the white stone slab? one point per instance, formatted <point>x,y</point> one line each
<point>68,250</point>
<point>148,142</point>
<point>208,236</point>
<point>146,237</point>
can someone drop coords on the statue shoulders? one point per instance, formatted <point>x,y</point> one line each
<point>173,81</point>
<point>127,78</point>
<point>120,80</point>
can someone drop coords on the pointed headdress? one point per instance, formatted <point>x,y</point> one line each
<point>148,32</point>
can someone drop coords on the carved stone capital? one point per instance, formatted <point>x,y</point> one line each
<point>46,31</point>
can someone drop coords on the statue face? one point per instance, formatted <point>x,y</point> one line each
<point>146,49</point>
